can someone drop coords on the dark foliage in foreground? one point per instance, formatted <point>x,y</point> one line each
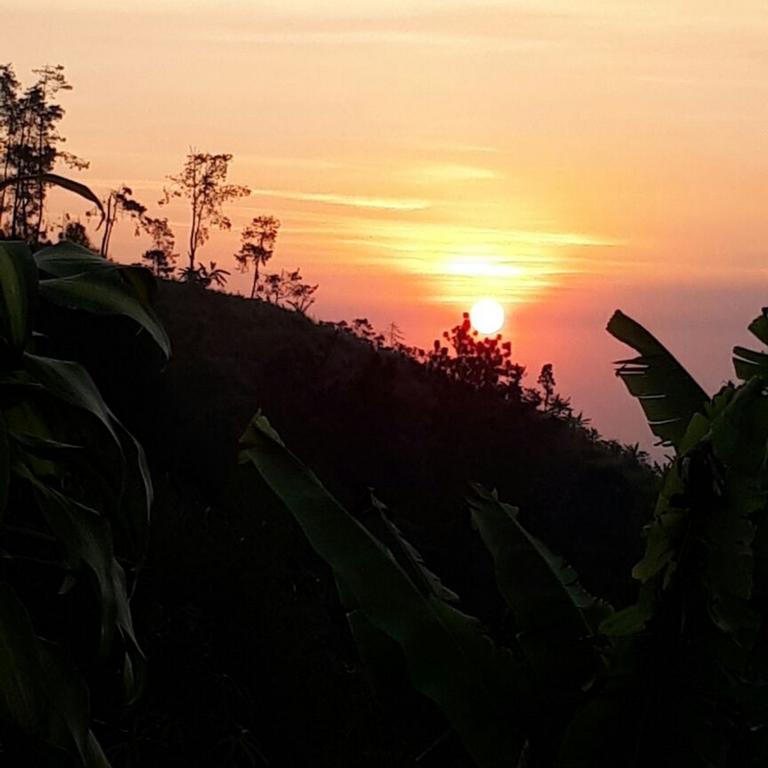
<point>676,679</point>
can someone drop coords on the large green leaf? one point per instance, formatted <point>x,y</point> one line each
<point>376,520</point>
<point>665,534</point>
<point>634,618</point>
<point>18,288</point>
<point>608,725</point>
<point>508,679</point>
<point>87,541</point>
<point>739,438</point>
<point>20,696</point>
<point>81,279</point>
<point>72,384</point>
<point>556,616</point>
<point>439,664</point>
<point>105,292</point>
<point>667,393</point>
<point>5,467</point>
<point>40,690</point>
<point>747,363</point>
<point>66,259</point>
<point>525,566</point>
<point>51,439</point>
<point>759,326</point>
<point>131,525</point>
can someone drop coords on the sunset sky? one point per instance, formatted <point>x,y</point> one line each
<point>565,158</point>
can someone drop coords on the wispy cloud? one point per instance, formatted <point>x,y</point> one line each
<point>352,201</point>
<point>408,236</point>
<point>308,163</point>
<point>451,172</point>
<point>458,148</point>
<point>424,39</point>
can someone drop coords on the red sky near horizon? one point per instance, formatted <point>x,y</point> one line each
<point>564,158</point>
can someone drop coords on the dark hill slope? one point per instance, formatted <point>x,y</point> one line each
<point>362,418</point>
<point>249,656</point>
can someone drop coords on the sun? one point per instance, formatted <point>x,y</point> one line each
<point>486,316</point>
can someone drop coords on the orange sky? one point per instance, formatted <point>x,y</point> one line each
<point>564,157</point>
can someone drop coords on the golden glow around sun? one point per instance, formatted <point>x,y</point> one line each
<point>486,316</point>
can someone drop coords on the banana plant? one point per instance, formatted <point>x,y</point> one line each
<point>75,496</point>
<point>697,631</point>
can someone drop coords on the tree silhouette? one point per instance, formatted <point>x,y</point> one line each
<point>74,231</point>
<point>483,363</point>
<point>202,182</point>
<point>546,381</point>
<point>257,245</point>
<point>395,337</point>
<point>118,203</point>
<point>31,147</point>
<point>161,258</point>
<point>287,289</point>
<point>9,127</point>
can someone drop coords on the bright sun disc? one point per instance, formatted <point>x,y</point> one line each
<point>486,316</point>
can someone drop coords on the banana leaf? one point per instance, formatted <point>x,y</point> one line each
<point>18,291</point>
<point>440,663</point>
<point>104,292</point>
<point>41,692</point>
<point>667,393</point>
<point>556,616</point>
<point>748,363</point>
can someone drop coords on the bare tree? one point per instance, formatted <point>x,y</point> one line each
<point>202,181</point>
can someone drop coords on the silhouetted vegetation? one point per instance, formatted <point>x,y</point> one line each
<point>244,624</point>
<point>160,257</point>
<point>118,204</point>
<point>31,148</point>
<point>75,494</point>
<point>75,232</point>
<point>230,632</point>
<point>256,246</point>
<point>481,362</point>
<point>202,182</point>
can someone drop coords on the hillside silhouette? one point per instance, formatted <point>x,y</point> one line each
<point>239,617</point>
<point>366,418</point>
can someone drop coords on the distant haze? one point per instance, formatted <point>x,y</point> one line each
<point>565,158</point>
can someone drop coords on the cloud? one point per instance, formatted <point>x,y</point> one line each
<point>331,23</point>
<point>353,201</point>
<point>302,163</point>
<point>451,172</point>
